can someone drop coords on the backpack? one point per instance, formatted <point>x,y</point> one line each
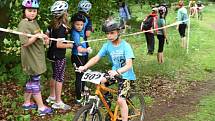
<point>147,23</point>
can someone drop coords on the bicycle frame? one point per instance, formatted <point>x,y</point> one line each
<point>113,116</point>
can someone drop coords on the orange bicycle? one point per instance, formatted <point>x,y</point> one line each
<point>99,105</point>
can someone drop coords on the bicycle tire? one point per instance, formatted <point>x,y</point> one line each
<point>137,101</point>
<point>96,116</point>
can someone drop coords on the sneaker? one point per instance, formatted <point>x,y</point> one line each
<point>61,105</point>
<point>50,100</point>
<point>28,107</point>
<point>78,101</point>
<point>45,111</point>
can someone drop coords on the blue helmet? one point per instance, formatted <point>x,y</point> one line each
<point>84,5</point>
<point>30,4</point>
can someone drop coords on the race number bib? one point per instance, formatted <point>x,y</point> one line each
<point>92,76</point>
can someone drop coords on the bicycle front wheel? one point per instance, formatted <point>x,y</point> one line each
<point>86,113</point>
<point>136,107</point>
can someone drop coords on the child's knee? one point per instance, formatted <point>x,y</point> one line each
<point>121,101</point>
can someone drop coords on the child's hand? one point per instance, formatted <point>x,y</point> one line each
<point>112,73</point>
<point>46,39</point>
<point>88,33</point>
<point>82,68</point>
<point>38,35</point>
<point>89,50</point>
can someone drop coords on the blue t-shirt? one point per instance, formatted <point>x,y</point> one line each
<point>182,15</point>
<point>78,38</point>
<point>118,56</point>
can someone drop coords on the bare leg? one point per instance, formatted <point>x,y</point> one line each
<point>124,108</point>
<point>38,99</point>
<point>52,88</point>
<point>160,57</point>
<point>184,42</point>
<point>58,90</point>
<point>27,97</point>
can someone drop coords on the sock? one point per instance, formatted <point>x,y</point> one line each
<point>53,98</point>
<point>26,104</point>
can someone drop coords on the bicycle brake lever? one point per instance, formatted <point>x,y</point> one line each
<point>76,68</point>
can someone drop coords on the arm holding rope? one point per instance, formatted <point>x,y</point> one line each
<point>34,38</point>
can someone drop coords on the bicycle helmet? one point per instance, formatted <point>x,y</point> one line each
<point>59,7</point>
<point>78,17</point>
<point>110,25</point>
<point>84,6</point>
<point>30,4</point>
<point>162,9</point>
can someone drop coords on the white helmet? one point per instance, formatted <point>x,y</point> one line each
<point>59,7</point>
<point>84,6</point>
<point>162,9</point>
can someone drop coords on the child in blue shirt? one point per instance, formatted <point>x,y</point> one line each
<point>84,7</point>
<point>121,56</point>
<point>80,50</point>
<point>182,15</point>
<point>124,14</point>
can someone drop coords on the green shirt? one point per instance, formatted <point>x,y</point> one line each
<point>161,23</point>
<point>32,56</point>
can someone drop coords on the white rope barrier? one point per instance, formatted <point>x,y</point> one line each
<point>93,40</point>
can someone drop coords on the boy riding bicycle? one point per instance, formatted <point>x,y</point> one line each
<point>121,55</point>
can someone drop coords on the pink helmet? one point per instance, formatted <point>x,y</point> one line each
<point>30,3</point>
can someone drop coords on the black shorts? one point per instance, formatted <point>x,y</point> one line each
<point>161,39</point>
<point>181,29</point>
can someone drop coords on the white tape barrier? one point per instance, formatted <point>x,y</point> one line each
<point>93,40</point>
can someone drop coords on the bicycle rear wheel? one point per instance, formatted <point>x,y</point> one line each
<point>84,114</point>
<point>136,107</point>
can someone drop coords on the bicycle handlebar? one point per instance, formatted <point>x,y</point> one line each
<point>106,74</point>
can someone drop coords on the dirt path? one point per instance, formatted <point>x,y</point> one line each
<point>183,104</point>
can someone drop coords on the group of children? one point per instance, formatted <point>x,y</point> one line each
<point>33,51</point>
<point>153,21</point>
<point>34,62</point>
<point>119,51</point>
